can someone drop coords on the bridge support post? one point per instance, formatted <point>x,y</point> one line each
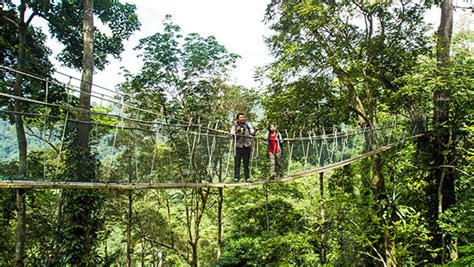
<point>219,214</point>
<point>323,252</point>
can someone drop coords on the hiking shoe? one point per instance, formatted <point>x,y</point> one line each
<point>272,177</point>
<point>248,181</point>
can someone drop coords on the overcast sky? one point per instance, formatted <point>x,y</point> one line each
<point>237,24</point>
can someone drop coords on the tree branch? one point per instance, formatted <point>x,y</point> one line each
<point>360,114</point>
<point>11,21</point>
<point>376,251</point>
<point>180,253</point>
<point>28,21</point>
<point>32,133</point>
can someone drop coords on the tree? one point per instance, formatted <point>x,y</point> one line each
<point>318,41</point>
<point>14,51</point>
<point>185,77</point>
<point>444,177</point>
<point>63,19</point>
<point>180,75</point>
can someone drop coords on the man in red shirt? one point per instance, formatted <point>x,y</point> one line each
<point>274,142</point>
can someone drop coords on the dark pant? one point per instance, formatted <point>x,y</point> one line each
<point>242,154</point>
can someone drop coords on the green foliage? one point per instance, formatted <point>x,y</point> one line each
<point>182,75</point>
<point>305,105</point>
<point>336,60</point>
<point>42,222</point>
<point>326,56</point>
<point>81,210</point>
<point>328,53</point>
<point>78,233</point>
<point>456,79</point>
<point>37,54</point>
<point>65,23</point>
<point>287,239</point>
<point>7,209</point>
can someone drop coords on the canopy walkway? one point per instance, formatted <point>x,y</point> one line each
<point>166,152</point>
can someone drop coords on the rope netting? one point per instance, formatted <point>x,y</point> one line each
<point>166,151</point>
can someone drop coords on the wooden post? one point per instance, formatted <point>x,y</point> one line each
<point>323,252</point>
<point>219,214</point>
<point>266,206</point>
<point>129,229</point>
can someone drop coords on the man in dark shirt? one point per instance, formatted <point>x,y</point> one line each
<point>242,133</point>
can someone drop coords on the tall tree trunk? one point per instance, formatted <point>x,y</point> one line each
<point>378,181</point>
<point>194,260</point>
<point>445,32</point>
<point>193,221</point>
<point>20,129</point>
<point>390,250</point>
<point>86,79</point>
<point>443,177</point>
<point>197,222</point>
<point>323,252</point>
<point>21,139</point>
<point>80,207</point>
<point>380,194</point>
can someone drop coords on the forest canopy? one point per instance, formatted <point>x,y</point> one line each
<point>365,110</point>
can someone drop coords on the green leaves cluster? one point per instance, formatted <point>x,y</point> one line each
<point>181,75</point>
<point>65,22</point>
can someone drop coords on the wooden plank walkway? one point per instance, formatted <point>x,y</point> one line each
<point>16,184</point>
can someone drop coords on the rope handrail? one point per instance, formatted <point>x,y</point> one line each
<point>122,103</point>
<point>71,108</point>
<point>15,184</point>
<point>223,133</point>
<point>198,153</point>
<point>149,123</point>
<point>111,100</point>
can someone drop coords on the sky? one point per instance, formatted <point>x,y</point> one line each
<point>237,24</point>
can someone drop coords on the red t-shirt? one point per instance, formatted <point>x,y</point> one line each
<point>273,144</point>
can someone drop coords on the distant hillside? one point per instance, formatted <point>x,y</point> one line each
<point>8,142</point>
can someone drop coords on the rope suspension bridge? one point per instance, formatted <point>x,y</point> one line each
<point>168,153</point>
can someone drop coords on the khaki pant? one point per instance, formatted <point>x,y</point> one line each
<point>275,158</point>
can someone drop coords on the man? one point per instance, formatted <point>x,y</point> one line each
<point>242,133</point>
